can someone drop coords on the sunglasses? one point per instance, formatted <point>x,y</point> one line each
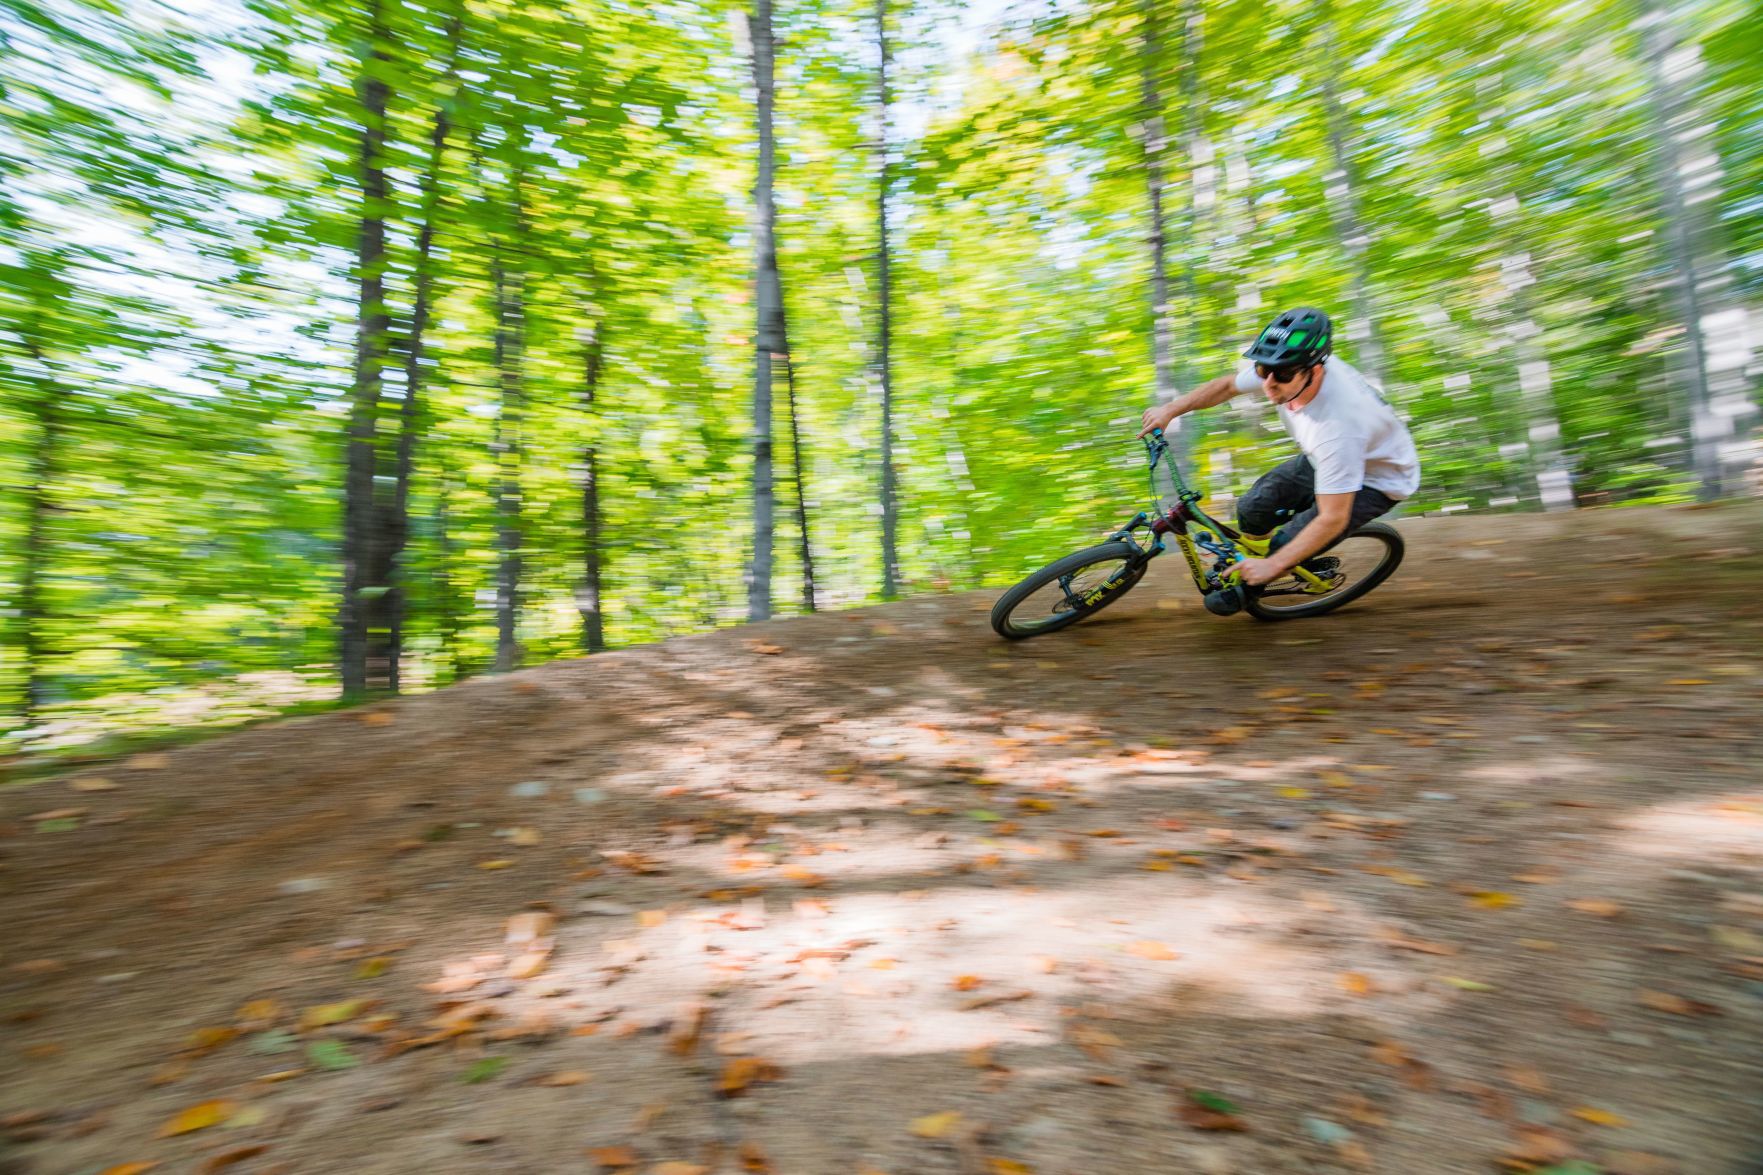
<point>1279,375</point>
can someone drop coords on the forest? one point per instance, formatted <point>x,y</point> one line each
<point>364,346</point>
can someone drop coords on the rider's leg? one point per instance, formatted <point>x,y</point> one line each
<point>1367,504</point>
<point>1277,496</point>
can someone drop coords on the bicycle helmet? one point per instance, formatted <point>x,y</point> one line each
<point>1297,338</point>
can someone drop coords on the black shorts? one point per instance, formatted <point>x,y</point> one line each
<point>1285,497</point>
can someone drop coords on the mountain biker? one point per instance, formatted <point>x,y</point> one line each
<point>1357,459</point>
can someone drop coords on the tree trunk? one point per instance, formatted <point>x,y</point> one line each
<point>587,600</point>
<point>1674,119</point>
<point>768,330</point>
<point>796,462</point>
<point>1164,385</point>
<point>510,294</point>
<point>410,413</point>
<point>361,615</point>
<point>1185,368</point>
<point>1343,192</point>
<point>33,608</point>
<point>884,366</point>
<point>446,588</point>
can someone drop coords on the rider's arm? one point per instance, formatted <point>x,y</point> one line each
<point>1333,511</point>
<point>1209,394</point>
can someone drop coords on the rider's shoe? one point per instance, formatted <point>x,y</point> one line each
<point>1323,566</point>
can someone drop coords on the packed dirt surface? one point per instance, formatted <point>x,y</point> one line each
<point>1467,877</point>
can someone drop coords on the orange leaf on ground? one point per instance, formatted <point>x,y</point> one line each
<point>1527,1078</point>
<point>690,1029</point>
<point>1357,983</point>
<point>258,1015</point>
<point>1601,907</point>
<point>1147,949</point>
<point>741,1072</point>
<point>1536,1146</point>
<point>528,927</point>
<point>200,1116</point>
<point>614,1158</point>
<point>1492,899</point>
<point>677,1168</point>
<point>227,1158</point>
<point>987,1001</point>
<point>966,982</point>
<point>1598,1117</point>
<point>753,1159</point>
<point>128,1169</point>
<point>565,1077</point>
<point>528,965</point>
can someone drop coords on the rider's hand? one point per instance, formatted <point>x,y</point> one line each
<point>1256,572</point>
<point>1158,417</point>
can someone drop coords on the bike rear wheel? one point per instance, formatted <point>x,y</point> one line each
<point>1063,593</point>
<point>1367,557</point>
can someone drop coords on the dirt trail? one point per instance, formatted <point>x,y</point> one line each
<point>1467,877</point>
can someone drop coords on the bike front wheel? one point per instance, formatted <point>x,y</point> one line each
<point>1063,593</point>
<point>1365,558</point>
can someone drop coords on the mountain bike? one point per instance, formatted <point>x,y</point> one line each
<point>1085,582</point>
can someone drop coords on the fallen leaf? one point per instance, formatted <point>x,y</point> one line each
<point>206,1040</point>
<point>966,982</point>
<point>484,1069</point>
<point>1662,1001</point>
<point>1007,1167</point>
<point>1467,984</point>
<point>684,1040</point>
<point>1147,949</point>
<point>499,863</point>
<point>753,1159</point>
<point>1735,939</point>
<point>331,1055</point>
<point>1527,1078</point>
<point>149,762</point>
<point>227,1158</point>
<point>1356,983</point>
<point>936,1125</point>
<point>323,1015</point>
<point>741,1072</point>
<point>1493,899</point>
<point>526,928</point>
<point>614,1158</point>
<point>1601,907</point>
<point>676,1168</point>
<point>528,965</point>
<point>764,649</point>
<point>1536,1146</point>
<point>93,785</point>
<point>373,968</point>
<point>258,1015</point>
<point>200,1116</point>
<point>1598,1117</point>
<point>1204,1110</point>
<point>129,1169</point>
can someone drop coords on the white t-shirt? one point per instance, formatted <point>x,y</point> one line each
<point>1349,432</point>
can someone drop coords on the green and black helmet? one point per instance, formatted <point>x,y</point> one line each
<point>1297,338</point>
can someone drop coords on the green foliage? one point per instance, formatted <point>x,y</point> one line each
<point>180,203</point>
